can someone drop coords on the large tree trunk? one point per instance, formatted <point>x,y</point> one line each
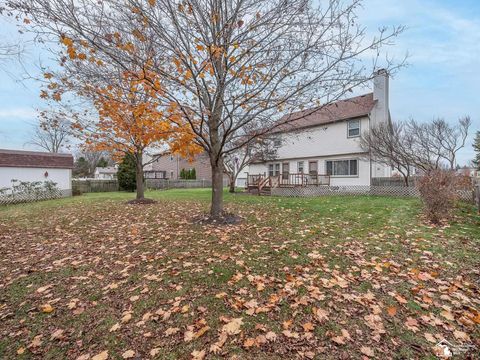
<point>231,179</point>
<point>216,210</point>
<point>139,176</point>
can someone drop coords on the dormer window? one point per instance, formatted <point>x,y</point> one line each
<point>353,128</point>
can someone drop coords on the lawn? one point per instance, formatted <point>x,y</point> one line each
<point>322,278</point>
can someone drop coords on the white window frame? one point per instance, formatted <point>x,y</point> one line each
<point>302,166</point>
<point>340,176</point>
<point>349,122</point>
<point>274,169</point>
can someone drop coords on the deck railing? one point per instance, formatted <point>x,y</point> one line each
<point>287,180</point>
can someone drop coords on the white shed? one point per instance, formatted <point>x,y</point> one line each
<point>35,166</point>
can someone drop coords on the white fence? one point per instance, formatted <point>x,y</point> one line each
<point>308,191</point>
<point>8,199</point>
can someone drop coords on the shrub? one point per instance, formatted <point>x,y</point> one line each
<point>126,174</point>
<point>439,192</point>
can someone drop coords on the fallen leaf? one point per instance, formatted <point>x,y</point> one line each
<point>46,308</point>
<point>249,342</point>
<point>412,324</point>
<point>198,355</point>
<point>171,331</point>
<point>430,338</point>
<point>308,326</point>
<point>128,354</point>
<point>233,327</point>
<point>126,318</point>
<point>392,310</point>
<point>115,327</point>
<point>365,350</point>
<point>101,356</point>
<point>217,347</point>
<point>58,334</point>
<point>154,351</point>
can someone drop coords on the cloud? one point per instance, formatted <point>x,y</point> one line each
<point>21,113</point>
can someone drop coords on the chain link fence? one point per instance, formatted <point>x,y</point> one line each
<point>309,191</point>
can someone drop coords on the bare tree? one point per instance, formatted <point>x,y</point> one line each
<point>427,146</point>
<point>52,132</point>
<point>225,66</point>
<point>451,138</point>
<point>389,144</point>
<point>261,149</point>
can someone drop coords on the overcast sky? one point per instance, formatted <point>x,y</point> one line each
<point>442,79</point>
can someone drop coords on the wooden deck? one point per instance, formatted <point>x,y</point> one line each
<point>262,183</point>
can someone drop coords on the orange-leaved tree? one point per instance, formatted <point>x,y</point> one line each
<point>131,119</point>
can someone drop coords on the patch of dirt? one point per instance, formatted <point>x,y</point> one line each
<point>225,219</point>
<point>141,202</point>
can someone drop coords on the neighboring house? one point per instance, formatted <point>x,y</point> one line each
<point>106,173</point>
<point>35,166</point>
<point>168,166</point>
<point>326,142</point>
<point>469,171</point>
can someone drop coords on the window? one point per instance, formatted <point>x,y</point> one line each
<point>353,128</point>
<point>285,170</point>
<point>342,168</point>
<point>274,169</point>
<point>300,167</point>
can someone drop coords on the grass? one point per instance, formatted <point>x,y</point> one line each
<point>94,259</point>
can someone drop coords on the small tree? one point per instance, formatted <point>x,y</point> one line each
<point>182,174</point>
<point>476,147</point>
<point>126,175</point>
<point>193,174</point>
<point>389,144</point>
<point>102,162</point>
<point>438,190</point>
<point>81,168</point>
<point>262,149</point>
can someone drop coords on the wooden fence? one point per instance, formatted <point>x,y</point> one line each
<point>80,186</point>
<point>394,181</point>
<point>179,184</point>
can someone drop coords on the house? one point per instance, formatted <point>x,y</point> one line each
<point>322,146</point>
<point>169,166</point>
<point>469,171</point>
<point>106,173</point>
<point>32,166</point>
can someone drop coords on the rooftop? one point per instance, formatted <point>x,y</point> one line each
<point>35,159</point>
<point>355,107</point>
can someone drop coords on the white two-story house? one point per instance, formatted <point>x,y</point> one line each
<point>326,141</point>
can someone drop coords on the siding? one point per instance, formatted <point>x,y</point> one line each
<point>63,177</point>
<point>173,164</point>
